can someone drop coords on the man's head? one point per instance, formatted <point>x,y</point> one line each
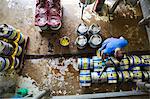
<point>119,53</point>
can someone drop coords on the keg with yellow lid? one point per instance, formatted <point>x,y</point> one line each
<point>124,64</point>
<point>97,79</point>
<point>111,75</point>
<point>136,60</point>
<point>137,76</point>
<point>145,76</point>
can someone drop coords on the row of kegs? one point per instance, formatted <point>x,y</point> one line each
<point>9,32</point>
<point>127,63</point>
<point>7,63</point>
<point>88,36</point>
<point>112,76</point>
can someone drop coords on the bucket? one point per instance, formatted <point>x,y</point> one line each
<point>112,75</point>
<point>124,64</point>
<point>85,63</point>
<point>94,29</point>
<point>145,76</point>
<point>81,42</point>
<point>97,79</point>
<point>85,78</point>
<point>95,41</point>
<point>6,48</point>
<point>8,31</point>
<point>136,60</point>
<point>82,29</point>
<point>137,76</point>
<point>19,51</point>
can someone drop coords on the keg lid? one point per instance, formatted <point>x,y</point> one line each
<point>94,29</point>
<point>96,39</point>
<point>82,28</point>
<point>81,40</point>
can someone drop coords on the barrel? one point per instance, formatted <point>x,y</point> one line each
<point>148,76</point>
<point>146,59</point>
<point>16,62</point>
<point>97,79</point>
<point>19,51</point>
<point>137,76</point>
<point>113,61</point>
<point>127,76</point>
<point>8,31</point>
<point>4,63</point>
<point>95,41</point>
<point>81,42</point>
<point>94,29</point>
<point>145,76</point>
<point>124,64</point>
<point>136,60</point>
<point>6,48</point>
<point>82,29</point>
<point>85,63</point>
<point>98,64</point>
<point>112,75</point>
<point>21,39</point>
<point>85,78</point>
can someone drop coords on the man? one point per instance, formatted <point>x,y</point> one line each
<point>112,46</point>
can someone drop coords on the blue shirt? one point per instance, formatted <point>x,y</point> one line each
<point>110,44</point>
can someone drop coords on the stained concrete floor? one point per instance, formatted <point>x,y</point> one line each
<point>63,79</point>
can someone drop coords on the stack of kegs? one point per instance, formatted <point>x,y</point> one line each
<point>90,36</point>
<point>95,70</point>
<point>11,43</point>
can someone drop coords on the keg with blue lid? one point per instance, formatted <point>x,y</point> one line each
<point>85,63</point>
<point>21,39</point>
<point>4,63</point>
<point>6,48</point>
<point>8,31</point>
<point>98,63</point>
<point>85,78</point>
<point>111,74</point>
<point>97,79</point>
<point>136,60</point>
<point>19,51</point>
<point>16,62</point>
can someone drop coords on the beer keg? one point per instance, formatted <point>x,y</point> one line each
<point>82,29</point>
<point>95,41</point>
<point>85,78</point>
<point>81,42</point>
<point>85,63</point>
<point>97,79</point>
<point>111,74</point>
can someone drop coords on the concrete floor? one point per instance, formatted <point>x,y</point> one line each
<point>50,74</point>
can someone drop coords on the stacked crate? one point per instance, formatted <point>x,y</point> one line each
<point>12,44</point>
